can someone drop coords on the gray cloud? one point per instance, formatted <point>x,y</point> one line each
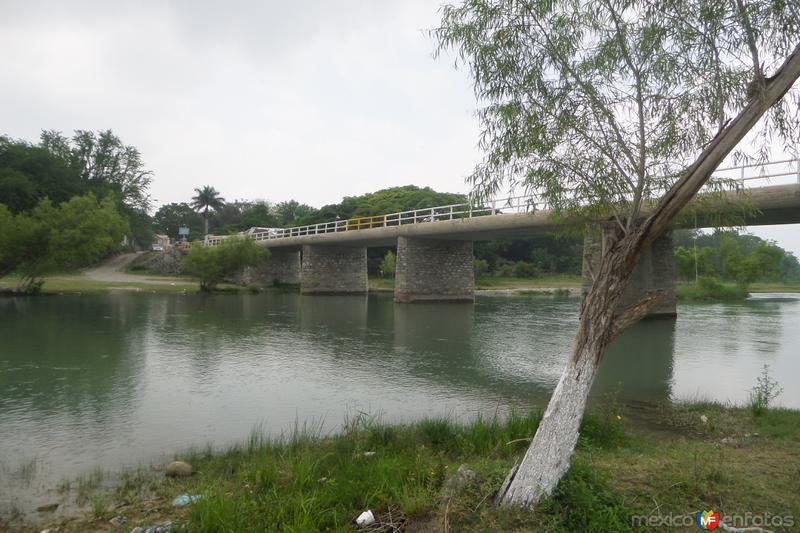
<point>310,100</point>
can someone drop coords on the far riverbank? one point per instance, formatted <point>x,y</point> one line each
<point>99,281</point>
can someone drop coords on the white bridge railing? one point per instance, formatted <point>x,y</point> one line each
<point>764,174</point>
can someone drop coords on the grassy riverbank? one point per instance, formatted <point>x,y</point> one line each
<point>549,281</point>
<point>153,284</point>
<point>710,289</point>
<point>163,284</point>
<point>653,463</point>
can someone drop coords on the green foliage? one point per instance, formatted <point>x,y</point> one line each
<point>764,392</point>
<point>23,242</point>
<point>602,430</point>
<point>733,256</point>
<point>598,106</point>
<point>205,200</point>
<point>257,214</point>
<point>388,265</point>
<point>480,267</point>
<point>170,217</point>
<point>308,483</point>
<point>141,228</point>
<point>75,234</point>
<point>81,231</point>
<point>550,254</point>
<point>710,288</point>
<point>694,262</point>
<point>105,163</point>
<point>524,269</point>
<point>586,501</point>
<point>212,264</point>
<point>293,213</point>
<point>29,173</point>
<point>60,169</point>
<point>385,201</point>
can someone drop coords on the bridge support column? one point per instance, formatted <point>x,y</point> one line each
<point>656,270</point>
<point>434,270</point>
<point>333,269</point>
<point>283,266</point>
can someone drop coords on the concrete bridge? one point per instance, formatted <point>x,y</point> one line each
<point>435,245</point>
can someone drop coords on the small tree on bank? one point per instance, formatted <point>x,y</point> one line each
<point>617,112</point>
<point>388,265</point>
<point>213,264</point>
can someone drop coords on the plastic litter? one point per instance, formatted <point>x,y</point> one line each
<point>366,518</point>
<point>184,499</point>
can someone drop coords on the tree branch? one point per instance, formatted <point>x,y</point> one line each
<point>698,173</point>
<point>751,40</point>
<point>635,312</point>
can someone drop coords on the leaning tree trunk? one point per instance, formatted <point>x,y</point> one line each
<point>548,456</point>
<point>547,459</point>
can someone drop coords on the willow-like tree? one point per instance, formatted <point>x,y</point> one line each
<point>617,112</point>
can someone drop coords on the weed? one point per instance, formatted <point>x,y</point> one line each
<point>99,505</point>
<point>764,392</point>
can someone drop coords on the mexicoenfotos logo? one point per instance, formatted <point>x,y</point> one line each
<point>707,520</point>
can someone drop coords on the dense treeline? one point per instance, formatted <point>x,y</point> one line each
<point>733,256</point>
<point>726,254</point>
<point>67,202</point>
<point>239,215</point>
<point>59,168</point>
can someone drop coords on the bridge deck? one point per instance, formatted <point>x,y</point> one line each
<point>777,204</point>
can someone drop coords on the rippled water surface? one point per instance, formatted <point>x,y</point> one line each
<point>123,379</point>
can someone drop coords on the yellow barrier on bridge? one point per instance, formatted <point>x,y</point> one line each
<point>366,222</point>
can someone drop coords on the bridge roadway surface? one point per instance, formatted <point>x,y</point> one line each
<point>776,204</point>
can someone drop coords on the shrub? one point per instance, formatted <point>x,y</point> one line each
<point>388,265</point>
<point>212,264</point>
<point>711,288</point>
<point>764,392</point>
<point>504,269</point>
<point>526,270</point>
<point>481,267</point>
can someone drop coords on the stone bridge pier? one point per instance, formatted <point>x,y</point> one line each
<point>333,269</point>
<point>283,266</point>
<point>656,270</point>
<point>434,270</point>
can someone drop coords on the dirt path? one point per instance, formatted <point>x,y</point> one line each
<point>111,272</point>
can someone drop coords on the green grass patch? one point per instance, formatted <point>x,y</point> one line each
<point>684,458</point>
<point>710,289</point>
<point>547,281</point>
<point>381,284</point>
<point>77,284</point>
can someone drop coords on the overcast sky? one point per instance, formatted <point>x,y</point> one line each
<point>312,100</point>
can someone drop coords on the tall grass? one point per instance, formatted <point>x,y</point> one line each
<point>307,482</point>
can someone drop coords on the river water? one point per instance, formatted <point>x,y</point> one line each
<point>125,379</point>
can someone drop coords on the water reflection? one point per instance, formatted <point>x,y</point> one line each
<point>123,378</point>
<point>69,359</point>
<point>638,365</point>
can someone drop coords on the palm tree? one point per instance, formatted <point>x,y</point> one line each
<point>205,199</point>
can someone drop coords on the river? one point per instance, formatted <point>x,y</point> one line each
<point>126,379</point>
